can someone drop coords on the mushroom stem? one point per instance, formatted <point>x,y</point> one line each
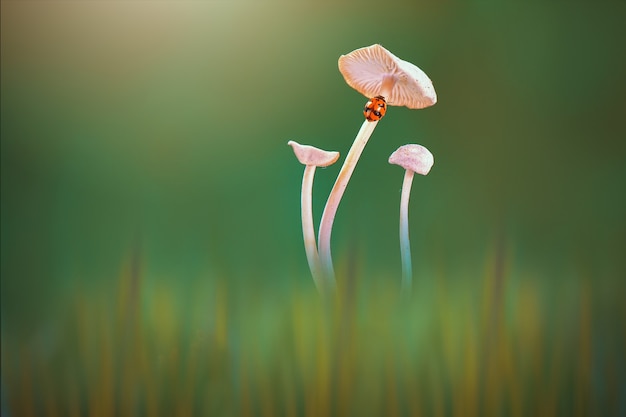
<point>330,210</point>
<point>308,230</point>
<point>413,158</point>
<point>405,244</point>
<point>311,157</point>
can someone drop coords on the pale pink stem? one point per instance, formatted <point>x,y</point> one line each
<point>308,229</point>
<point>334,198</point>
<point>405,245</point>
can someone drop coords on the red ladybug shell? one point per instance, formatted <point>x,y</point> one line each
<point>375,108</point>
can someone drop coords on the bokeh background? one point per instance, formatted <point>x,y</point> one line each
<point>151,222</point>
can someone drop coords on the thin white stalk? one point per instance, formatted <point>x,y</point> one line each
<point>405,244</point>
<point>308,229</point>
<point>311,157</point>
<point>334,198</point>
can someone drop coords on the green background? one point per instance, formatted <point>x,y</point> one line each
<point>164,125</point>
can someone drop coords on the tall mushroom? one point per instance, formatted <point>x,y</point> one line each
<point>312,157</point>
<point>414,159</point>
<point>374,72</point>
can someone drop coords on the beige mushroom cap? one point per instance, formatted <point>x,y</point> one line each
<point>374,71</point>
<point>310,155</point>
<point>413,157</point>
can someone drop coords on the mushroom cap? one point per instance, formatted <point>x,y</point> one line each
<point>373,69</point>
<point>413,157</point>
<point>310,155</point>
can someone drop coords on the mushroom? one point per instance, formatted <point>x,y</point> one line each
<point>374,72</point>
<point>312,157</point>
<point>414,159</point>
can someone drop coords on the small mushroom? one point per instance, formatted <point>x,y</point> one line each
<point>414,159</point>
<point>311,157</point>
<point>373,71</point>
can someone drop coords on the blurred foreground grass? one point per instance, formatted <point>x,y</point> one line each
<point>500,344</point>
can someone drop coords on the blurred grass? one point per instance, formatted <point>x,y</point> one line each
<point>495,344</point>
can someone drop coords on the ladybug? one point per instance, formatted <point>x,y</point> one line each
<point>375,109</point>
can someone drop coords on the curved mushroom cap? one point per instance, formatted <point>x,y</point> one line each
<point>310,155</point>
<point>374,71</point>
<point>413,157</point>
